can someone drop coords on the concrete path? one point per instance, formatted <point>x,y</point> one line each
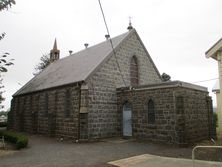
<point>147,160</point>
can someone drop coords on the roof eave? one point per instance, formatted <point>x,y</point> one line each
<point>216,90</point>
<point>169,84</point>
<point>25,93</point>
<point>212,52</point>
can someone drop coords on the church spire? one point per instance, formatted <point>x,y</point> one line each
<point>54,53</point>
<point>55,45</point>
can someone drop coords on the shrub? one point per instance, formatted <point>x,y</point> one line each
<point>215,117</point>
<point>3,124</point>
<point>19,140</point>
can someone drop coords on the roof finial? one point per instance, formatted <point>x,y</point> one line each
<point>130,27</point>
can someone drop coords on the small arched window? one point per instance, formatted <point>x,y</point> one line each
<point>134,71</point>
<point>151,112</point>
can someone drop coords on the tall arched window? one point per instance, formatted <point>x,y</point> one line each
<point>134,71</point>
<point>67,103</point>
<point>151,112</point>
<point>46,107</point>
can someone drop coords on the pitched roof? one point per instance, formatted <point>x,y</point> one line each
<point>74,68</point>
<point>212,52</point>
<point>216,87</point>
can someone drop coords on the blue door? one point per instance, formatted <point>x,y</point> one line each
<point>127,120</point>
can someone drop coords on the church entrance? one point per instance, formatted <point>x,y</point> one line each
<point>127,120</point>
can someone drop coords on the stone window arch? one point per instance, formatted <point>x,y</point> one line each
<point>134,74</point>
<point>151,112</point>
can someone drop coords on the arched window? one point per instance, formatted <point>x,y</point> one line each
<point>134,71</point>
<point>151,112</point>
<point>67,103</point>
<point>46,107</point>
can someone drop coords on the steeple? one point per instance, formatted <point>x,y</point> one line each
<point>54,53</point>
<point>55,45</point>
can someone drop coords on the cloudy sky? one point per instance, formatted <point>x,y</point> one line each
<point>176,33</point>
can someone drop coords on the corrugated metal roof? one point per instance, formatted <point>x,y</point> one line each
<point>74,68</point>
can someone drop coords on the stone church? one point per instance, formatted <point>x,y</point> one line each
<point>99,92</point>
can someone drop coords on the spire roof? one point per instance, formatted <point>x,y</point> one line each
<point>55,46</point>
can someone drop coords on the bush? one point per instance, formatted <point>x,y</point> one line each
<point>3,124</point>
<point>21,141</point>
<point>215,117</point>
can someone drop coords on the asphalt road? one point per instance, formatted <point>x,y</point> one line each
<point>51,152</point>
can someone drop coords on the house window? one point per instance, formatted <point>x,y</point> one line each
<point>134,71</point>
<point>151,112</point>
<point>67,103</point>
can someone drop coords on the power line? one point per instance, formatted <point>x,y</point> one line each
<point>114,52</point>
<point>104,19</point>
<point>206,80</point>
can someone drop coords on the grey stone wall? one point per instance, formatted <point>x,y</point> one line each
<point>96,115</point>
<point>46,112</point>
<point>197,116</point>
<point>103,118</point>
<point>181,114</point>
<point>83,113</point>
<point>133,47</point>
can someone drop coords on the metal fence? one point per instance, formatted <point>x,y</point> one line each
<point>205,147</point>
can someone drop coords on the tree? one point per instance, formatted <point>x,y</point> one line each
<point>4,62</point>
<point>44,62</point>
<point>5,4</point>
<point>165,77</point>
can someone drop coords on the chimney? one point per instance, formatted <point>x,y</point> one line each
<point>86,45</point>
<point>70,52</point>
<point>54,53</point>
<point>107,36</point>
